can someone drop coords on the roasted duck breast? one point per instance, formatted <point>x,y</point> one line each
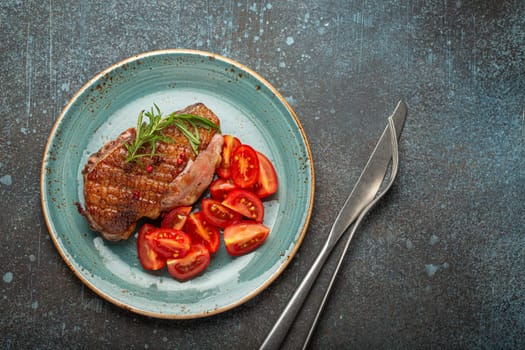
<point>118,192</point>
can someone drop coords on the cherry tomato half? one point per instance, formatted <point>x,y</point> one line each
<point>267,182</point>
<point>217,214</point>
<point>194,263</point>
<point>245,203</point>
<point>149,259</point>
<point>201,231</point>
<point>228,148</point>
<point>220,188</point>
<point>245,166</point>
<point>168,242</point>
<point>244,236</point>
<point>176,218</point>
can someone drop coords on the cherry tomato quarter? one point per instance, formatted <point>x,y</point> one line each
<point>228,148</point>
<point>245,203</point>
<point>149,259</point>
<point>267,182</point>
<point>168,242</point>
<point>245,166</point>
<point>217,214</point>
<point>191,265</point>
<point>244,236</point>
<point>220,188</point>
<point>201,231</point>
<point>176,218</point>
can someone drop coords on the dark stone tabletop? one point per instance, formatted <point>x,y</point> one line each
<point>440,263</point>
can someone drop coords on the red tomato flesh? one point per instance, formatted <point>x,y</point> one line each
<point>267,182</point>
<point>191,265</point>
<point>217,214</point>
<point>245,166</point>
<point>168,242</point>
<point>176,218</point>
<point>201,231</point>
<point>149,259</point>
<point>244,237</point>
<point>228,148</point>
<point>220,188</point>
<point>245,203</point>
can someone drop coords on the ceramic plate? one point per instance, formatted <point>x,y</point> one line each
<point>249,108</point>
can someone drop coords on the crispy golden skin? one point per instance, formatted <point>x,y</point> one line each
<point>118,193</point>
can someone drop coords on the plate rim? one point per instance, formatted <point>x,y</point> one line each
<point>43,186</point>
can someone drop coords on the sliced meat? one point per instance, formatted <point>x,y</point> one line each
<point>118,193</point>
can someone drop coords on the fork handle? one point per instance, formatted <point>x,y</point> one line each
<point>332,280</point>
<point>276,336</point>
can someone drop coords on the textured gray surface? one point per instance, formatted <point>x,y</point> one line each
<point>440,263</point>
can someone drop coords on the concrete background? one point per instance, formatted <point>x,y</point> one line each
<point>438,264</point>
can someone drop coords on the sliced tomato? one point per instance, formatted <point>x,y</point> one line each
<point>217,214</point>
<point>244,236</point>
<point>245,203</point>
<point>149,259</point>
<point>220,188</point>
<point>191,265</point>
<point>169,242</point>
<point>228,148</point>
<point>245,166</point>
<point>267,182</point>
<point>201,231</point>
<point>176,217</point>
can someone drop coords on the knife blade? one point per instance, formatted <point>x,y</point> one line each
<point>371,177</point>
<point>362,194</point>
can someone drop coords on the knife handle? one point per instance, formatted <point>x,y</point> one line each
<point>276,336</point>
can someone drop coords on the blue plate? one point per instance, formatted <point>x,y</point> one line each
<point>249,108</point>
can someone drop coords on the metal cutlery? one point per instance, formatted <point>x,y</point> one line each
<point>392,176</point>
<point>359,202</point>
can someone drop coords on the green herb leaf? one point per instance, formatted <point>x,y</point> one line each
<point>148,134</point>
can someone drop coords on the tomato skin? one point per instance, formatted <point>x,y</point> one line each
<point>228,148</point>
<point>245,166</point>
<point>267,183</point>
<point>149,259</point>
<point>245,203</point>
<point>168,242</point>
<point>244,237</point>
<point>217,214</point>
<point>176,217</point>
<point>191,265</point>
<point>220,188</point>
<point>201,231</point>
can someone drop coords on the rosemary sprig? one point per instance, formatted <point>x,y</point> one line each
<point>151,132</point>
